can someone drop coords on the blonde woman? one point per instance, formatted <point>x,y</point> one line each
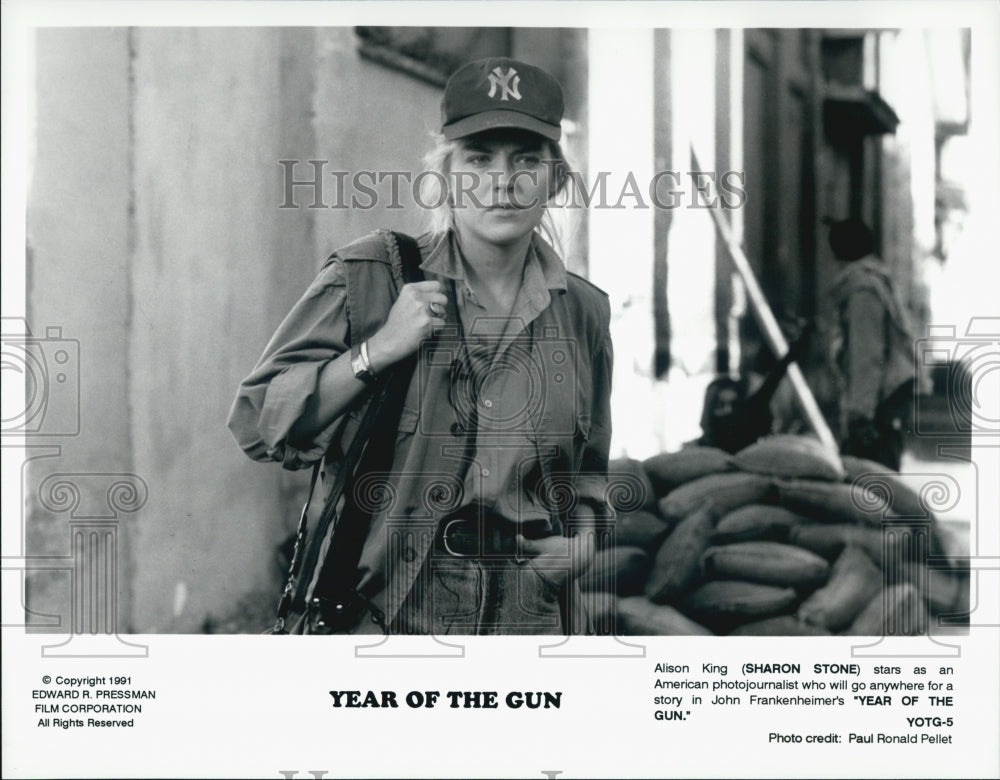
<point>499,468</point>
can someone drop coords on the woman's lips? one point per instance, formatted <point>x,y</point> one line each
<point>508,207</point>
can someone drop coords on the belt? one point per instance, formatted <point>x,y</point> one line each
<point>479,537</point>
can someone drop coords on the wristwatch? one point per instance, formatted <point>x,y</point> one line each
<point>360,364</point>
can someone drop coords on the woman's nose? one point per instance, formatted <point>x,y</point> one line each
<point>503,175</point>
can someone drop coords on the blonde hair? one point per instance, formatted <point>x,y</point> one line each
<point>435,196</point>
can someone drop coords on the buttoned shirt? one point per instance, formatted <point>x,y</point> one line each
<point>497,381</point>
<point>543,438</point>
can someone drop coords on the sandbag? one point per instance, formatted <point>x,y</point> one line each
<point>770,563</point>
<point>638,616</point>
<point>939,587</point>
<point>831,502</point>
<point>791,457</point>
<point>622,570</point>
<point>601,606</point>
<point>896,611</point>
<point>756,522</point>
<point>853,582</point>
<point>678,561</point>
<point>830,540</point>
<point>641,529</point>
<point>629,488</point>
<point>905,500</point>
<point>670,470</point>
<point>783,625</point>
<point>733,598</point>
<point>726,492</point>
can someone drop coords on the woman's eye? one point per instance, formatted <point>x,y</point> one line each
<point>477,159</point>
<point>528,160</point>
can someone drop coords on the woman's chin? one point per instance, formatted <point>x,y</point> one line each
<point>501,227</point>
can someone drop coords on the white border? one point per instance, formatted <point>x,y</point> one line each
<point>247,706</point>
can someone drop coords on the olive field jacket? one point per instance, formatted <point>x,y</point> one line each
<point>570,428</point>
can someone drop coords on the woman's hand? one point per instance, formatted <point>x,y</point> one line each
<point>569,556</point>
<point>416,312</point>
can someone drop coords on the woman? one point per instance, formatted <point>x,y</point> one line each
<point>499,468</point>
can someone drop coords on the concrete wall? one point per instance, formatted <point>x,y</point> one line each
<point>79,275</point>
<point>156,240</point>
<point>386,126</point>
<point>210,112</point>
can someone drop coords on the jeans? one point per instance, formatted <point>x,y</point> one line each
<point>482,595</point>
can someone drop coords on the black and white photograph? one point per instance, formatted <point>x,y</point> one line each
<point>376,372</point>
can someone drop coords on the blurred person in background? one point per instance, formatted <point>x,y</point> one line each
<point>723,424</point>
<point>739,411</point>
<point>871,347</point>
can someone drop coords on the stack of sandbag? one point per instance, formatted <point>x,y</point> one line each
<point>783,538</point>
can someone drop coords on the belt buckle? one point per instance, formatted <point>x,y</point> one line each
<point>489,541</point>
<point>447,546</point>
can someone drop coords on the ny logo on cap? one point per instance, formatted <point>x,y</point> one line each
<point>498,79</point>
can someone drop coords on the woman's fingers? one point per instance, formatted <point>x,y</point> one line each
<point>424,296</point>
<point>428,304</point>
<point>427,285</point>
<point>577,553</point>
<point>415,314</point>
<point>430,297</point>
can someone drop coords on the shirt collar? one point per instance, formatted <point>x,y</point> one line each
<point>441,257</point>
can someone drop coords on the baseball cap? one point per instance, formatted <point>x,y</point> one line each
<point>501,92</point>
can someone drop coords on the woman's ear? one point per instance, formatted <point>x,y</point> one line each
<point>557,167</point>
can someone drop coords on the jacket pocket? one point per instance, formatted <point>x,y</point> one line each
<point>408,420</point>
<point>407,426</point>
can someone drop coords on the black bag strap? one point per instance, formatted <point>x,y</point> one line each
<point>334,596</point>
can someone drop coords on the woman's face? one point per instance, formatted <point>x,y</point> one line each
<point>500,185</point>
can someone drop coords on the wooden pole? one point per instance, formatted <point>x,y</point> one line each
<point>769,326</point>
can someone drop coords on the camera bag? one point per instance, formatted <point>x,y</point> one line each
<point>319,595</point>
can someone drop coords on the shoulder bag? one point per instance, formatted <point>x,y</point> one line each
<point>319,594</point>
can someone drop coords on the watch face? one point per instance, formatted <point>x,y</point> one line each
<point>361,371</point>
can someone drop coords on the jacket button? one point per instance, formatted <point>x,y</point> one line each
<point>457,429</point>
<point>409,554</point>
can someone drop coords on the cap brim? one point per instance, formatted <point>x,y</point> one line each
<point>491,120</point>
